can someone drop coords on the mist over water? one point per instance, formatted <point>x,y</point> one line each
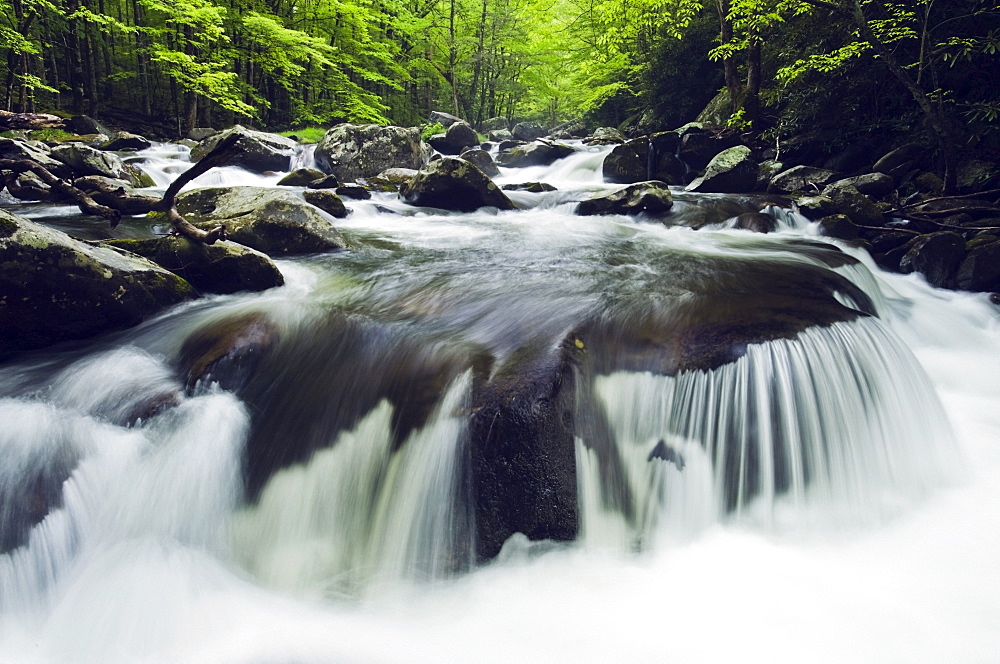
<point>864,456</point>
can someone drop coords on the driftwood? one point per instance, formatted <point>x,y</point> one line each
<point>29,121</point>
<point>911,210</point>
<point>111,203</point>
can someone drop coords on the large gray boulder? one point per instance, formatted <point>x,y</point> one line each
<point>630,162</point>
<point>223,267</point>
<point>534,154</point>
<point>732,171</point>
<point>652,197</point>
<point>275,221</point>
<point>801,178</point>
<point>123,140</point>
<point>454,184</point>
<point>363,151</point>
<point>528,131</point>
<point>483,161</point>
<point>11,148</point>
<point>458,137</point>
<point>54,288</point>
<point>85,160</point>
<point>257,151</point>
<point>937,256</point>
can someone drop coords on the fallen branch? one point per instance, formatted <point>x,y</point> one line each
<point>111,203</point>
<point>908,206</point>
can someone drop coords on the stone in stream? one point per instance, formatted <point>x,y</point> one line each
<point>454,184</point>
<point>85,160</point>
<point>482,160</point>
<point>534,154</point>
<point>123,140</point>
<point>227,352</point>
<point>303,177</point>
<point>528,131</point>
<point>642,197</point>
<point>327,201</point>
<point>274,221</point>
<point>54,288</point>
<point>458,137</point>
<point>363,151</point>
<point>12,148</point>
<point>223,267</point>
<point>257,151</point>
<point>801,178</point>
<point>731,171</point>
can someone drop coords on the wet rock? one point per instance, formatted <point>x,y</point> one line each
<point>443,119</point>
<point>353,191</point>
<point>496,124</point>
<point>523,455</point>
<point>257,151</point>
<point>123,140</point>
<point>937,256</point>
<point>758,222</point>
<point>482,160</point>
<point>302,177</point>
<point>801,178</point>
<point>274,221</point>
<point>454,184</point>
<point>651,197</point>
<point>870,184</point>
<point>27,498</point>
<point>697,147</point>
<point>815,207</point>
<point>391,179</point>
<point>605,136</point>
<point>327,201</point>
<point>54,288</point>
<point>201,133</point>
<point>228,352</point>
<point>861,209</point>
<point>223,267</point>
<point>528,131</point>
<point>731,171</point>
<point>84,160</point>
<point>84,125</point>
<point>839,226</point>
<point>630,162</point>
<point>363,151</point>
<point>894,159</point>
<point>325,182</point>
<point>533,187</point>
<point>500,135</point>
<point>11,148</point>
<point>458,137</point>
<point>534,154</point>
<point>980,270</point>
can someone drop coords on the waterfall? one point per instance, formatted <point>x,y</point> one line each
<point>840,424</point>
<point>822,496</point>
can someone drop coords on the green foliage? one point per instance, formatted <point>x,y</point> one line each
<point>430,130</point>
<point>305,134</point>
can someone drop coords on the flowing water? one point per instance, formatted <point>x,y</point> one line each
<point>824,498</point>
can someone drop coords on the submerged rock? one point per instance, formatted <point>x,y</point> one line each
<point>363,151</point>
<point>454,184</point>
<point>275,221</point>
<point>54,288</point>
<point>650,197</point>
<point>223,267</point>
<point>228,351</point>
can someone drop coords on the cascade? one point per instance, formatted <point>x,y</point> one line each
<point>692,464</point>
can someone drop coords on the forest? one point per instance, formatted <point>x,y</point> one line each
<point>860,67</point>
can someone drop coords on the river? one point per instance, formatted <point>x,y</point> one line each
<point>875,539</point>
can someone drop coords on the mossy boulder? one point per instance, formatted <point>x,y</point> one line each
<point>458,137</point>
<point>327,201</point>
<point>801,178</point>
<point>223,267</point>
<point>256,151</point>
<point>85,160</point>
<point>482,160</point>
<point>363,151</point>
<point>651,197</point>
<point>630,162</point>
<point>123,140</point>
<point>12,148</point>
<point>275,221</point>
<point>391,179</point>
<point>733,170</point>
<point>54,288</point>
<point>454,184</point>
<point>528,131</point>
<point>302,177</point>
<point>534,154</point>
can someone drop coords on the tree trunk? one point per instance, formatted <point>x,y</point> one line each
<point>729,63</point>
